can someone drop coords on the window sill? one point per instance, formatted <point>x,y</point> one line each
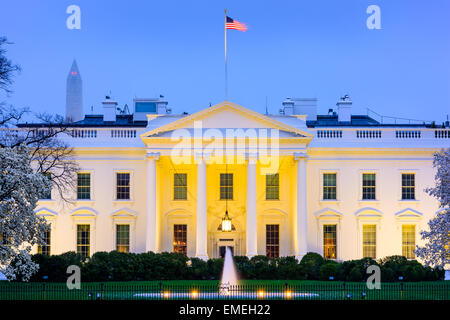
<point>369,201</point>
<point>408,200</point>
<point>123,201</point>
<point>329,201</point>
<point>81,201</point>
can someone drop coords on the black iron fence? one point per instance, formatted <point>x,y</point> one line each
<point>160,291</point>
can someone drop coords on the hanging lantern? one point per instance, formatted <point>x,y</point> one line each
<point>226,223</point>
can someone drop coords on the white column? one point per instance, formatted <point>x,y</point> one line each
<point>251,232</point>
<point>301,226</point>
<point>202,240</point>
<point>150,225</point>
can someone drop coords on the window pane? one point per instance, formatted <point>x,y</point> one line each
<point>84,186</point>
<point>368,192</point>
<point>180,238</point>
<point>123,186</point>
<point>369,241</point>
<point>408,186</point>
<point>226,186</point>
<point>329,186</point>
<point>180,186</point>
<point>329,241</point>
<point>272,240</point>
<point>83,240</point>
<point>45,249</point>
<point>123,237</point>
<point>408,241</point>
<point>273,186</point>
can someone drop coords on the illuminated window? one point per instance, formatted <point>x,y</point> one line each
<point>83,186</point>
<point>226,186</point>
<point>369,241</point>
<point>329,186</point>
<point>123,237</point>
<point>180,186</point>
<point>273,186</point>
<point>368,186</point>
<point>123,186</point>
<point>180,238</point>
<point>329,241</point>
<point>272,240</point>
<point>45,249</point>
<point>408,186</point>
<point>408,240</point>
<point>83,240</point>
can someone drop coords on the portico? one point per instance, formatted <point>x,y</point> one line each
<point>227,166</point>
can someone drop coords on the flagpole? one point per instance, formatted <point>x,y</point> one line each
<point>226,71</point>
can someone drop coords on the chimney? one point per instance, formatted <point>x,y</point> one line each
<point>344,109</point>
<point>109,109</point>
<point>288,107</point>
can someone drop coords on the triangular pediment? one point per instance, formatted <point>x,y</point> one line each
<point>227,115</point>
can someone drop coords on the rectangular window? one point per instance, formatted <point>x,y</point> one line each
<point>329,186</point>
<point>180,186</point>
<point>408,186</point>
<point>329,241</point>
<point>368,186</point>
<point>83,186</point>
<point>45,249</point>
<point>48,194</point>
<point>226,186</point>
<point>123,186</point>
<point>408,240</point>
<point>272,240</point>
<point>180,238</point>
<point>84,240</point>
<point>273,186</point>
<point>123,237</point>
<point>369,241</point>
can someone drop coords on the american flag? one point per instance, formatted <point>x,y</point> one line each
<point>235,25</point>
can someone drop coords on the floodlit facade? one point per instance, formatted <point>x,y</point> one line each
<point>345,186</point>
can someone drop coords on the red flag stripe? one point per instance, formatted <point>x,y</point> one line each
<point>235,25</point>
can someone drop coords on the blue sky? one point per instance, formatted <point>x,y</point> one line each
<point>319,49</point>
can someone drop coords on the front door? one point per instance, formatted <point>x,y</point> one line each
<point>222,245</point>
<point>223,250</point>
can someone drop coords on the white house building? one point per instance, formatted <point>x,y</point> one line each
<point>342,185</point>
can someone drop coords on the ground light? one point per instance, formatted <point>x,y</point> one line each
<point>288,294</point>
<point>261,294</point>
<point>166,295</point>
<point>194,294</point>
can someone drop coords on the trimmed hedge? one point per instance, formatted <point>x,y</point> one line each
<point>116,266</point>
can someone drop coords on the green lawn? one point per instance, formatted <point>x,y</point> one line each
<point>318,290</point>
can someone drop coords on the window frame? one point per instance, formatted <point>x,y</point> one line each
<point>335,225</point>
<point>376,240</point>
<point>121,224</point>
<point>91,193</point>
<point>377,185</point>
<point>275,187</point>
<point>116,174</point>
<point>174,186</point>
<point>90,239</point>
<point>47,245</point>
<point>232,186</point>
<point>415,240</point>
<point>185,246</point>
<point>276,245</point>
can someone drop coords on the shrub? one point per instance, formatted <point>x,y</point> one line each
<point>311,264</point>
<point>329,269</point>
<point>355,274</point>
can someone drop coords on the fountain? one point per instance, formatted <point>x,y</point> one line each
<point>229,274</point>
<point>228,288</point>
